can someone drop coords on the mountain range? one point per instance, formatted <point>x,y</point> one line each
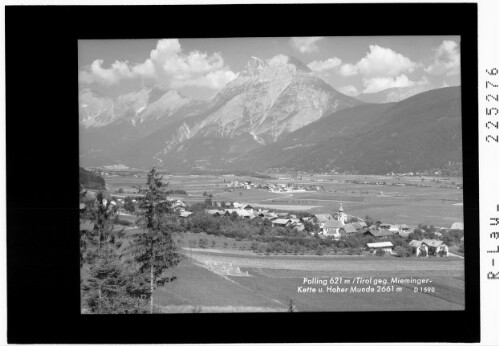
<point>277,114</point>
<point>394,94</point>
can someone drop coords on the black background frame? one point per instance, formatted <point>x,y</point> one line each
<point>43,158</point>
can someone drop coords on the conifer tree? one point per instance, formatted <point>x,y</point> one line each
<point>154,250</point>
<point>101,213</point>
<point>111,285</point>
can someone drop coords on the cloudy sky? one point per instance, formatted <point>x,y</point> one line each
<point>199,68</point>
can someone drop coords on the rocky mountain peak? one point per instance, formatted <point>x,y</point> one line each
<point>284,61</point>
<point>254,66</point>
<point>258,67</point>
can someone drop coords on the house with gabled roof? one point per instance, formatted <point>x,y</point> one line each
<point>281,222</point>
<point>185,213</point>
<point>378,233</point>
<point>348,229</point>
<point>240,212</point>
<point>419,248</point>
<point>323,217</point>
<point>359,224</point>
<point>386,246</point>
<point>215,212</point>
<point>436,247</point>
<point>299,227</point>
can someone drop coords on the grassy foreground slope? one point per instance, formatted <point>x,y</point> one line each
<point>268,283</point>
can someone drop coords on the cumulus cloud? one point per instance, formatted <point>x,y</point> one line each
<point>305,44</point>
<point>384,62</point>
<point>107,76</point>
<point>347,70</point>
<point>381,68</point>
<point>328,64</point>
<point>447,60</point>
<point>349,90</point>
<point>167,66</point>
<point>213,80</point>
<point>373,85</point>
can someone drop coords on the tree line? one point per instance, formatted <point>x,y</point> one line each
<point>120,270</point>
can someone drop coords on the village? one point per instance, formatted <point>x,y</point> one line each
<point>248,241</point>
<point>337,227</point>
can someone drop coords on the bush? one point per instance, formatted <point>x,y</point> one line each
<point>461,249</point>
<point>401,251</point>
<point>352,251</point>
<point>90,180</point>
<point>122,222</point>
<point>442,253</point>
<point>380,252</point>
<point>320,250</point>
<point>129,205</point>
<point>203,243</point>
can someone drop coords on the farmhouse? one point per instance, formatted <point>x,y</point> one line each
<point>378,233</point>
<point>321,218</point>
<point>403,227</point>
<point>394,229</point>
<point>299,227</point>
<point>436,247</point>
<point>419,248</point>
<point>281,222</point>
<point>359,224</point>
<point>185,213</point>
<point>431,247</point>
<point>241,213</point>
<point>386,246</point>
<point>348,229</point>
<point>215,212</point>
<point>405,234</point>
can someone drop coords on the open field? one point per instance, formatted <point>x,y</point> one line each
<point>436,201</point>
<point>226,276</point>
<point>271,282</point>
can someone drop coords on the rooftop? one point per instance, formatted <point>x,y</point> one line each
<point>380,244</point>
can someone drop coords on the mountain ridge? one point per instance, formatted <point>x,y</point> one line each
<point>275,115</point>
<point>267,100</point>
<point>419,133</point>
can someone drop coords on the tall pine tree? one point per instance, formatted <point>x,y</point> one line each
<point>153,250</point>
<point>101,213</point>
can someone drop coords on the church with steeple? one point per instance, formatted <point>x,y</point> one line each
<point>340,215</point>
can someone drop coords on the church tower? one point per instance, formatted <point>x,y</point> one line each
<point>342,217</point>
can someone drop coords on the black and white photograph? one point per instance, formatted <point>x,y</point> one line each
<point>271,174</point>
<point>192,173</point>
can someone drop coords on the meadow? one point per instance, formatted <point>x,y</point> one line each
<point>226,276</point>
<point>436,201</point>
<point>270,283</point>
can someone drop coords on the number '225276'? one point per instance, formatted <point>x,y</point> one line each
<point>493,98</point>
